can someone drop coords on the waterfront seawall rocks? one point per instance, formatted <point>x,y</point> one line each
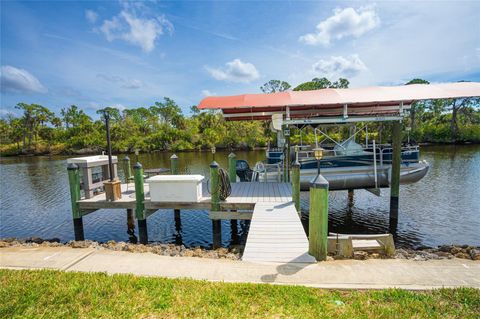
<point>232,253</point>
<point>235,252</point>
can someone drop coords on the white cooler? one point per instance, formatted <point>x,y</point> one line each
<point>175,188</point>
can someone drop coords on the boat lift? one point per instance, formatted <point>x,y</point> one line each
<point>340,106</point>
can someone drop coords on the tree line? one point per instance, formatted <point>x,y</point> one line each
<point>163,126</point>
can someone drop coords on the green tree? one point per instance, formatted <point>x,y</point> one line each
<point>322,83</point>
<point>34,117</point>
<point>274,86</point>
<point>459,106</point>
<point>417,108</point>
<point>72,116</point>
<point>194,110</point>
<point>112,112</point>
<point>168,111</point>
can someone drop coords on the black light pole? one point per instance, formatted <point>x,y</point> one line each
<point>109,145</point>
<point>318,152</point>
<point>213,152</point>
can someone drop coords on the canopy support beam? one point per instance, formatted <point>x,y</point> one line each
<point>341,120</point>
<point>395,178</point>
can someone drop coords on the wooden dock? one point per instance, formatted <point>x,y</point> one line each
<point>244,196</point>
<point>276,235</point>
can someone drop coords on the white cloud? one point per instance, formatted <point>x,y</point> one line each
<point>207,93</point>
<point>132,84</point>
<point>91,16</point>
<point>235,71</point>
<point>6,113</point>
<point>124,82</point>
<point>118,106</point>
<point>141,31</point>
<point>339,66</point>
<point>19,80</point>
<point>345,22</point>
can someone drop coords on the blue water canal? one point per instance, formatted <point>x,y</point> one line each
<point>443,208</point>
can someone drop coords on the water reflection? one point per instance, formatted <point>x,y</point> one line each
<point>178,227</point>
<point>131,227</point>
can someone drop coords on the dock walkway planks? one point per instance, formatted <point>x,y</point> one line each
<point>244,196</point>
<point>276,235</point>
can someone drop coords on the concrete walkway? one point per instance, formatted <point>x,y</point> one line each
<point>345,274</point>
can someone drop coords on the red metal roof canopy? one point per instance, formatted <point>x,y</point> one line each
<point>368,101</point>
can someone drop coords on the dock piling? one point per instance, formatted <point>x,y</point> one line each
<point>176,212</point>
<point>127,170</point>
<point>130,220</point>
<point>318,219</point>
<point>296,185</point>
<point>350,197</point>
<point>140,206</point>
<point>232,167</point>
<point>395,178</point>
<point>174,164</point>
<point>215,204</point>
<point>74,181</point>
<point>178,227</point>
<point>215,186</point>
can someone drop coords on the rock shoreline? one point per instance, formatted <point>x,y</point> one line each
<point>235,252</point>
<point>426,253</point>
<point>232,253</point>
<point>442,252</point>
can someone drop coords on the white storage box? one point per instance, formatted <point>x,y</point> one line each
<point>175,188</point>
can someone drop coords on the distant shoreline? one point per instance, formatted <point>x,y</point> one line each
<point>82,152</point>
<point>91,151</point>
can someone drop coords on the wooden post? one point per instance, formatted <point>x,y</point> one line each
<point>174,164</point>
<point>350,197</point>
<point>318,219</point>
<point>74,181</point>
<point>215,186</point>
<point>140,206</point>
<point>178,227</point>
<point>232,176</point>
<point>232,167</point>
<point>215,204</point>
<point>127,170</point>
<point>296,185</point>
<point>287,159</point>
<point>176,212</point>
<point>396,160</point>
<point>130,220</point>
<point>234,232</point>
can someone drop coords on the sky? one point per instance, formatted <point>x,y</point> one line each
<point>128,54</point>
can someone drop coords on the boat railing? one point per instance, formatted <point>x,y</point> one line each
<point>388,149</point>
<point>379,150</point>
<point>310,154</point>
<point>262,169</point>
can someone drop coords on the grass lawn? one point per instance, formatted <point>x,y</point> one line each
<point>54,294</point>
